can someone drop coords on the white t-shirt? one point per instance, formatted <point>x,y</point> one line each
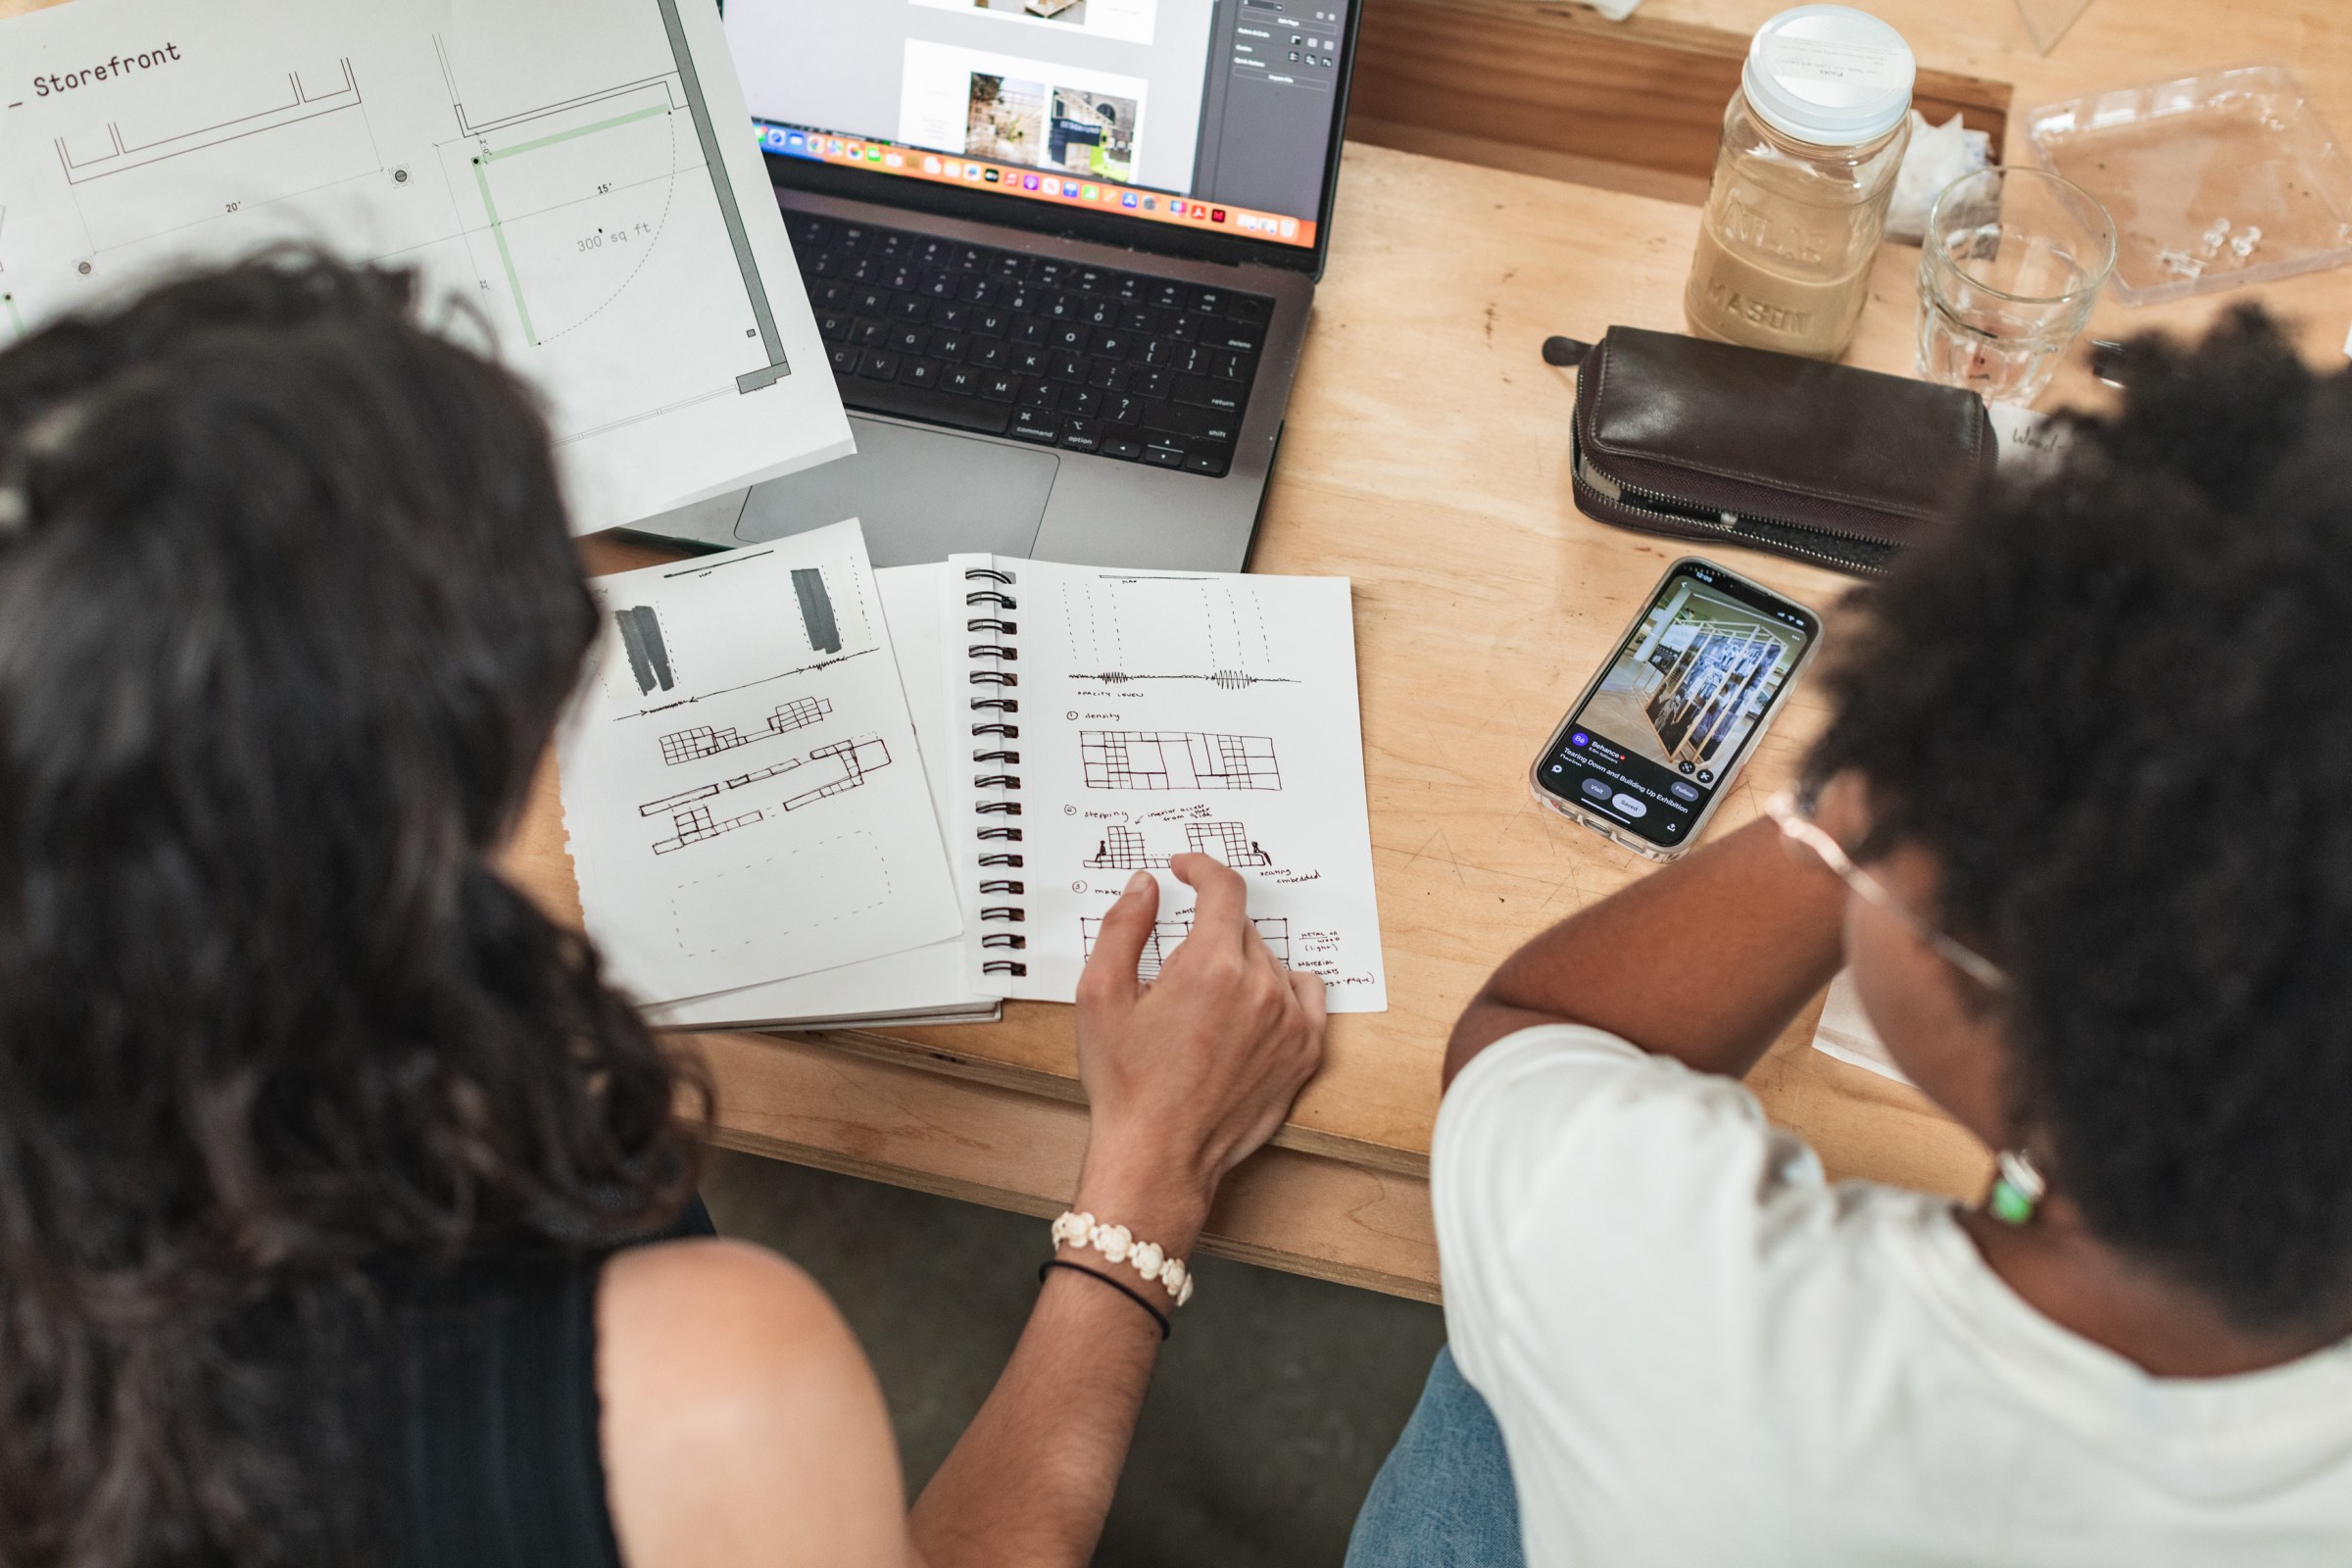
<point>1701,1354</point>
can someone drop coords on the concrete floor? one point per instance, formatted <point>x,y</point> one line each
<point>1274,1403</point>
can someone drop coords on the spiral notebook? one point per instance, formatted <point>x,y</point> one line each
<point>1114,719</point>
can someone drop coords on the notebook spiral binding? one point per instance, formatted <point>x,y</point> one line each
<point>992,605</point>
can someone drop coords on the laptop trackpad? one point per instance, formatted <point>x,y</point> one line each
<point>923,495</point>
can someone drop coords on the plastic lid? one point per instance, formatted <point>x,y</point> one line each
<point>1828,74</point>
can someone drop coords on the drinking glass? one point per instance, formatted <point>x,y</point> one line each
<point>2009,268</point>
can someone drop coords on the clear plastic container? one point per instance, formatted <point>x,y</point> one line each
<point>2215,181</point>
<point>1812,143</point>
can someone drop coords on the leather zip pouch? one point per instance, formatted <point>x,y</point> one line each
<point>1822,463</point>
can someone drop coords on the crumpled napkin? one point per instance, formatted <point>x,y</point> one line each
<point>1938,156</point>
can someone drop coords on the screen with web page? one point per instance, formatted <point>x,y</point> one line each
<point>1211,114</point>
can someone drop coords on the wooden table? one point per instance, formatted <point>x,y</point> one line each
<point>1426,460</point>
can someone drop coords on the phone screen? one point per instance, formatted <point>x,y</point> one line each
<point>1682,698</point>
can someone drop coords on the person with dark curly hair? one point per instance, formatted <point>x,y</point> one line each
<point>2081,826</point>
<point>322,1149</point>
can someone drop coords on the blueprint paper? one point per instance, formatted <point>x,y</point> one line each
<point>741,783</point>
<point>1160,714</point>
<point>582,175</point>
<point>929,979</point>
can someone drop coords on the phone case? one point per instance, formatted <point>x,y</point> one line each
<point>1577,812</point>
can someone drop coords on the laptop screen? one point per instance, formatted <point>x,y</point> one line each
<point>1215,114</point>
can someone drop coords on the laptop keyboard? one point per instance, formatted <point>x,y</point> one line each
<point>1122,364</point>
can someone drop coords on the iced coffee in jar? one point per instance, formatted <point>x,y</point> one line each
<point>1811,145</point>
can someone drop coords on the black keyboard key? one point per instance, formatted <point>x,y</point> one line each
<point>1193,422</point>
<point>1125,448</point>
<point>1039,395</point>
<point>1080,400</point>
<point>869,333</point>
<point>1036,424</point>
<point>960,379</point>
<point>1161,352</point>
<point>1010,265</point>
<point>1100,312</point>
<point>1030,361</point>
<point>924,403</point>
<point>1000,388</point>
<point>989,322</point>
<point>834,326</point>
<point>1096,279</point>
<point>894,245</point>
<point>834,296</point>
<point>948,345</point>
<point>1069,336</point>
<point>1108,345</point>
<point>807,233</point>
<point>901,276</point>
<point>923,373</point>
<point>1122,409</point>
<point>911,340</point>
<point>951,315</point>
<point>824,264</point>
<point>1139,319</point>
<point>1150,383</point>
<point>1207,394</point>
<point>1131,287</point>
<point>989,354</point>
<point>1164,457</point>
<point>935,252</point>
<point>1250,310</point>
<point>879,364</point>
<point>971,258</point>
<point>1169,296</point>
<point>978,289</point>
<point>910,308</point>
<point>1209,462</point>
<point>1023,299</point>
<point>939,283</point>
<point>865,269</point>
<point>1052,273</point>
<point>1081,435</point>
<point>1109,376</point>
<point>1067,367</point>
<point>869,302</point>
<point>1209,301</point>
<point>1236,337</point>
<point>851,237</point>
<point>1228,366</point>
<point>1032,330</point>
<point>1065,307</point>
<point>845,359</point>
<point>1186,328</point>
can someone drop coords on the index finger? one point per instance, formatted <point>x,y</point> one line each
<point>1221,902</point>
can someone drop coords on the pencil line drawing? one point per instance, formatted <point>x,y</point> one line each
<point>696,824</point>
<point>648,654</point>
<point>857,759</point>
<point>744,780</point>
<point>1167,934</point>
<point>704,740</point>
<point>817,610</point>
<point>1125,849</point>
<point>1197,630</point>
<point>1177,760</point>
<point>682,798</point>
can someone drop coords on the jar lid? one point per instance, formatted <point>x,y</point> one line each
<point>1828,74</point>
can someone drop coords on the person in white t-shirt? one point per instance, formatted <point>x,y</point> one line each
<point>2081,826</point>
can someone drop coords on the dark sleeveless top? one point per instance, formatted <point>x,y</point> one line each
<point>496,1462</point>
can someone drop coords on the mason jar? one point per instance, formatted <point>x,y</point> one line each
<point>1812,142</point>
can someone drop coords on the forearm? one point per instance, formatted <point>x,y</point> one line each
<point>1706,960</point>
<point>1030,1481</point>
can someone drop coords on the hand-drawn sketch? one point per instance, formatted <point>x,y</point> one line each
<point>704,740</point>
<point>648,654</point>
<point>1167,934</point>
<point>1177,760</point>
<point>585,190</point>
<point>1129,631</point>
<point>1127,849</point>
<point>695,824</point>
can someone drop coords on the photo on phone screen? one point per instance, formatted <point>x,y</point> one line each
<point>1663,729</point>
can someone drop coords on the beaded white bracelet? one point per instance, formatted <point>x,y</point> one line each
<point>1118,1244</point>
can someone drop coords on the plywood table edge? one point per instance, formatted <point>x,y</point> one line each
<point>926,1057</point>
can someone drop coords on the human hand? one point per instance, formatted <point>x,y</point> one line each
<point>1189,1075</point>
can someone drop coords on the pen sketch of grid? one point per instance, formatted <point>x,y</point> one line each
<point>1177,760</point>
<point>696,824</point>
<point>1167,934</point>
<point>1124,849</point>
<point>693,744</point>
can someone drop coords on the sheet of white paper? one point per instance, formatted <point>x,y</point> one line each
<point>1844,1031</point>
<point>930,978</point>
<point>741,782</point>
<point>1163,712</point>
<point>581,178</point>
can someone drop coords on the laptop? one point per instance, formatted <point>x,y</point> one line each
<point>1061,253</point>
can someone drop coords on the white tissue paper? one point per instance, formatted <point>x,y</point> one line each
<point>1614,9</point>
<point>1938,156</point>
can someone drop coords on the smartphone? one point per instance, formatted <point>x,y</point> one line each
<point>1648,751</point>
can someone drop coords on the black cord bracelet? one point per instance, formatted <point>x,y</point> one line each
<point>1157,1316</point>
